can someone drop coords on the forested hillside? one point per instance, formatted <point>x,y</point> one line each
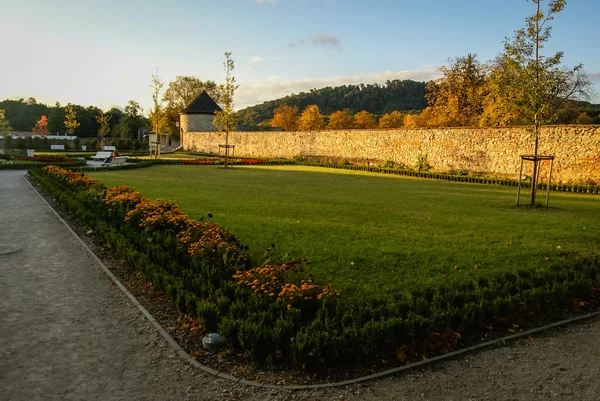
<point>378,99</point>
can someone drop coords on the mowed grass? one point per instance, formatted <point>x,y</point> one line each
<point>369,233</point>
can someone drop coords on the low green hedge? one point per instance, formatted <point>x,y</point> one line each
<point>577,188</point>
<point>335,331</point>
<point>18,165</point>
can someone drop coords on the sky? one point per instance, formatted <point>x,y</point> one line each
<point>103,52</point>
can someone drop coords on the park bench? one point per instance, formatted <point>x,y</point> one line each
<point>57,147</point>
<point>115,161</point>
<point>102,156</point>
<point>109,147</point>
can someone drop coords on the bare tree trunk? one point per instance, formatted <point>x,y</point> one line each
<point>534,176</point>
<point>226,146</point>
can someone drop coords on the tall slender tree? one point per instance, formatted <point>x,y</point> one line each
<point>71,123</point>
<point>103,120</point>
<point>156,84</point>
<point>225,119</point>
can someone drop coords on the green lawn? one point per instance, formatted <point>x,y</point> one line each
<point>372,233</point>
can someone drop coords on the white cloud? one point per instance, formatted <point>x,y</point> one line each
<point>254,92</point>
<point>272,2</point>
<point>325,40</point>
<point>257,59</point>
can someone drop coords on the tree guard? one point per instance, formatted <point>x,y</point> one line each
<point>228,155</point>
<point>536,159</point>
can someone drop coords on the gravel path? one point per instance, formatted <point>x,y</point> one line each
<point>67,333</point>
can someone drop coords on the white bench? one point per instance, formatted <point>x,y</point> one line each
<point>57,147</point>
<point>109,147</point>
<point>102,156</point>
<point>116,161</point>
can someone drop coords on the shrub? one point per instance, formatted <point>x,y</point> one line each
<point>422,164</point>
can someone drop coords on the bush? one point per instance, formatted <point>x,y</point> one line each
<point>422,164</point>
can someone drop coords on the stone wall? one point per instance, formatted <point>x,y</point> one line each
<point>487,150</point>
<point>197,123</point>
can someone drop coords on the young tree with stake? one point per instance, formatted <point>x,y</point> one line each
<point>225,119</point>
<point>534,86</point>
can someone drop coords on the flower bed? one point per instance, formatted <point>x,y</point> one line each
<point>276,312</point>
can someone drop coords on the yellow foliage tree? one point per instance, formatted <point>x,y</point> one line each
<point>311,119</point>
<point>395,119</point>
<point>4,125</point>
<point>103,125</point>
<point>457,97</point>
<point>421,120</point>
<point>341,119</point>
<point>71,123</point>
<point>285,117</point>
<point>365,120</point>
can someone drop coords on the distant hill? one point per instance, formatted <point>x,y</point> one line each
<point>405,95</point>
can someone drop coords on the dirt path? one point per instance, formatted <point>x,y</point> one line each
<point>67,333</point>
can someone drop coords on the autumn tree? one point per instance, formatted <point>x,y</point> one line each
<point>41,126</point>
<point>537,86</point>
<point>395,119</point>
<point>419,120</point>
<point>457,97</point>
<point>341,119</point>
<point>5,127</point>
<point>103,120</point>
<point>365,120</point>
<point>225,119</point>
<point>160,120</point>
<point>285,117</point>
<point>311,119</point>
<point>71,123</point>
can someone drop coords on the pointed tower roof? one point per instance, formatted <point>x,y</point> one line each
<point>203,104</point>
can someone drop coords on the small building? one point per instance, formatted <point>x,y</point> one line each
<point>154,138</point>
<point>199,115</point>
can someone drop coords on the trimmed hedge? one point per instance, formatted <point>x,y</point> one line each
<point>234,296</point>
<point>576,188</point>
<point>17,165</point>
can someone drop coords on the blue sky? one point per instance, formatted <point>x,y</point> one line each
<point>103,53</point>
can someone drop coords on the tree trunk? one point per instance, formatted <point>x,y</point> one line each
<point>226,146</point>
<point>534,176</point>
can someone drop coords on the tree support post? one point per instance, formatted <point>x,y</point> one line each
<point>519,185</point>
<point>549,182</point>
<point>537,163</point>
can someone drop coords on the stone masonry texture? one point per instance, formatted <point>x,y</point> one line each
<point>481,150</point>
<point>197,122</point>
